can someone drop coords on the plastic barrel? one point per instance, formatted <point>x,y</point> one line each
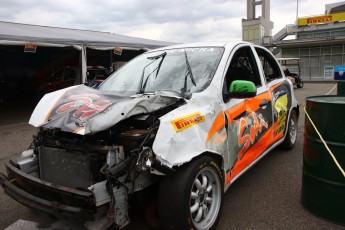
<point>323,185</point>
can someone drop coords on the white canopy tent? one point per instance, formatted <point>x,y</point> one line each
<point>21,34</point>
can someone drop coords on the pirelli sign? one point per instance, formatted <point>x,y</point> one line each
<point>321,19</point>
<point>188,121</point>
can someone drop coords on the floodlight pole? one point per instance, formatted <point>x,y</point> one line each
<point>297,14</point>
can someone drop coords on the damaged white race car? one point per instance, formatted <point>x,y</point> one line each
<point>184,120</point>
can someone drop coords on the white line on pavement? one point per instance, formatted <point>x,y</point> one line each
<point>331,89</point>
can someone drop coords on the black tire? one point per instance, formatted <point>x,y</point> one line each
<point>291,132</point>
<point>175,199</point>
<point>300,84</point>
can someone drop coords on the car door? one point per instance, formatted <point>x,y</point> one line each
<point>280,91</point>
<point>248,121</point>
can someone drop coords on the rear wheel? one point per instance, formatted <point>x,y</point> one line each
<point>192,198</point>
<point>300,84</point>
<point>291,135</point>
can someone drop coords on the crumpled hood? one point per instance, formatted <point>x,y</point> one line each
<point>84,110</point>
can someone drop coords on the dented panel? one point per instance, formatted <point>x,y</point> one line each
<point>83,110</point>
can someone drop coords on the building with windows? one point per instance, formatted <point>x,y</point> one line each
<point>319,42</point>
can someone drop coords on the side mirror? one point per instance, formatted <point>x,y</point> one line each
<point>242,89</point>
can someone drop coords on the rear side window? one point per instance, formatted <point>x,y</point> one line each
<point>269,64</point>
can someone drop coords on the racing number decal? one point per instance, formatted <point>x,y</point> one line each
<point>85,105</point>
<point>247,128</point>
<point>245,140</point>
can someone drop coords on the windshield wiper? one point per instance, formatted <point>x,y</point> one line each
<point>160,63</point>
<point>154,58</point>
<point>188,73</point>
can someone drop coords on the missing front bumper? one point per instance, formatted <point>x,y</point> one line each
<point>45,197</point>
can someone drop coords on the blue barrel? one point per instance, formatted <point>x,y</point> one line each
<point>323,184</point>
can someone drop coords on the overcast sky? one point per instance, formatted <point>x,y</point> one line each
<point>168,20</point>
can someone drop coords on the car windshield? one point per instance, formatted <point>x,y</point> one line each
<point>185,71</point>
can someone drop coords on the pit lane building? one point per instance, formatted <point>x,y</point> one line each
<point>319,41</point>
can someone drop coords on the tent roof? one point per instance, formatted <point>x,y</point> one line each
<point>13,33</point>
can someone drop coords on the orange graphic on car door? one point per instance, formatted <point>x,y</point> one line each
<point>249,131</point>
<point>255,133</point>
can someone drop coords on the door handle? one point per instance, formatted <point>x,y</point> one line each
<point>264,103</point>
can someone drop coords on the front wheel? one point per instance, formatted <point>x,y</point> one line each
<point>192,198</point>
<point>300,84</point>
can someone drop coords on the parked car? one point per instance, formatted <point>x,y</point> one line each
<point>61,78</point>
<point>185,121</point>
<point>95,75</point>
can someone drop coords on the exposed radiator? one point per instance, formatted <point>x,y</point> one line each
<point>65,167</point>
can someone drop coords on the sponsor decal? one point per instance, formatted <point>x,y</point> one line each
<point>249,131</point>
<point>281,109</point>
<point>190,50</point>
<point>30,48</point>
<point>281,95</point>
<point>84,105</point>
<point>187,121</point>
<point>321,19</point>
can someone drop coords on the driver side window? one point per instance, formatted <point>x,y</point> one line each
<point>242,67</point>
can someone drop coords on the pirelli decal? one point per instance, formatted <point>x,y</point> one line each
<point>188,121</point>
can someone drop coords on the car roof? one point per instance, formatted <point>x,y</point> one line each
<point>203,44</point>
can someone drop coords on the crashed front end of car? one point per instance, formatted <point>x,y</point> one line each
<point>95,147</point>
<point>77,174</point>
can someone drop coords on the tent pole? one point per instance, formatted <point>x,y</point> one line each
<point>83,64</point>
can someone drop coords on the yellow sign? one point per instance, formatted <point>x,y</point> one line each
<point>30,48</point>
<point>321,19</point>
<point>118,50</point>
<point>187,121</point>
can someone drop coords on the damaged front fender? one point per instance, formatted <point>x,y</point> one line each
<point>183,132</point>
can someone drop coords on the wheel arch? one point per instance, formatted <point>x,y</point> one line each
<point>216,156</point>
<point>296,110</point>
<point>175,194</point>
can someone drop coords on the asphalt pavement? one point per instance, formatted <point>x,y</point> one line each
<point>268,196</point>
